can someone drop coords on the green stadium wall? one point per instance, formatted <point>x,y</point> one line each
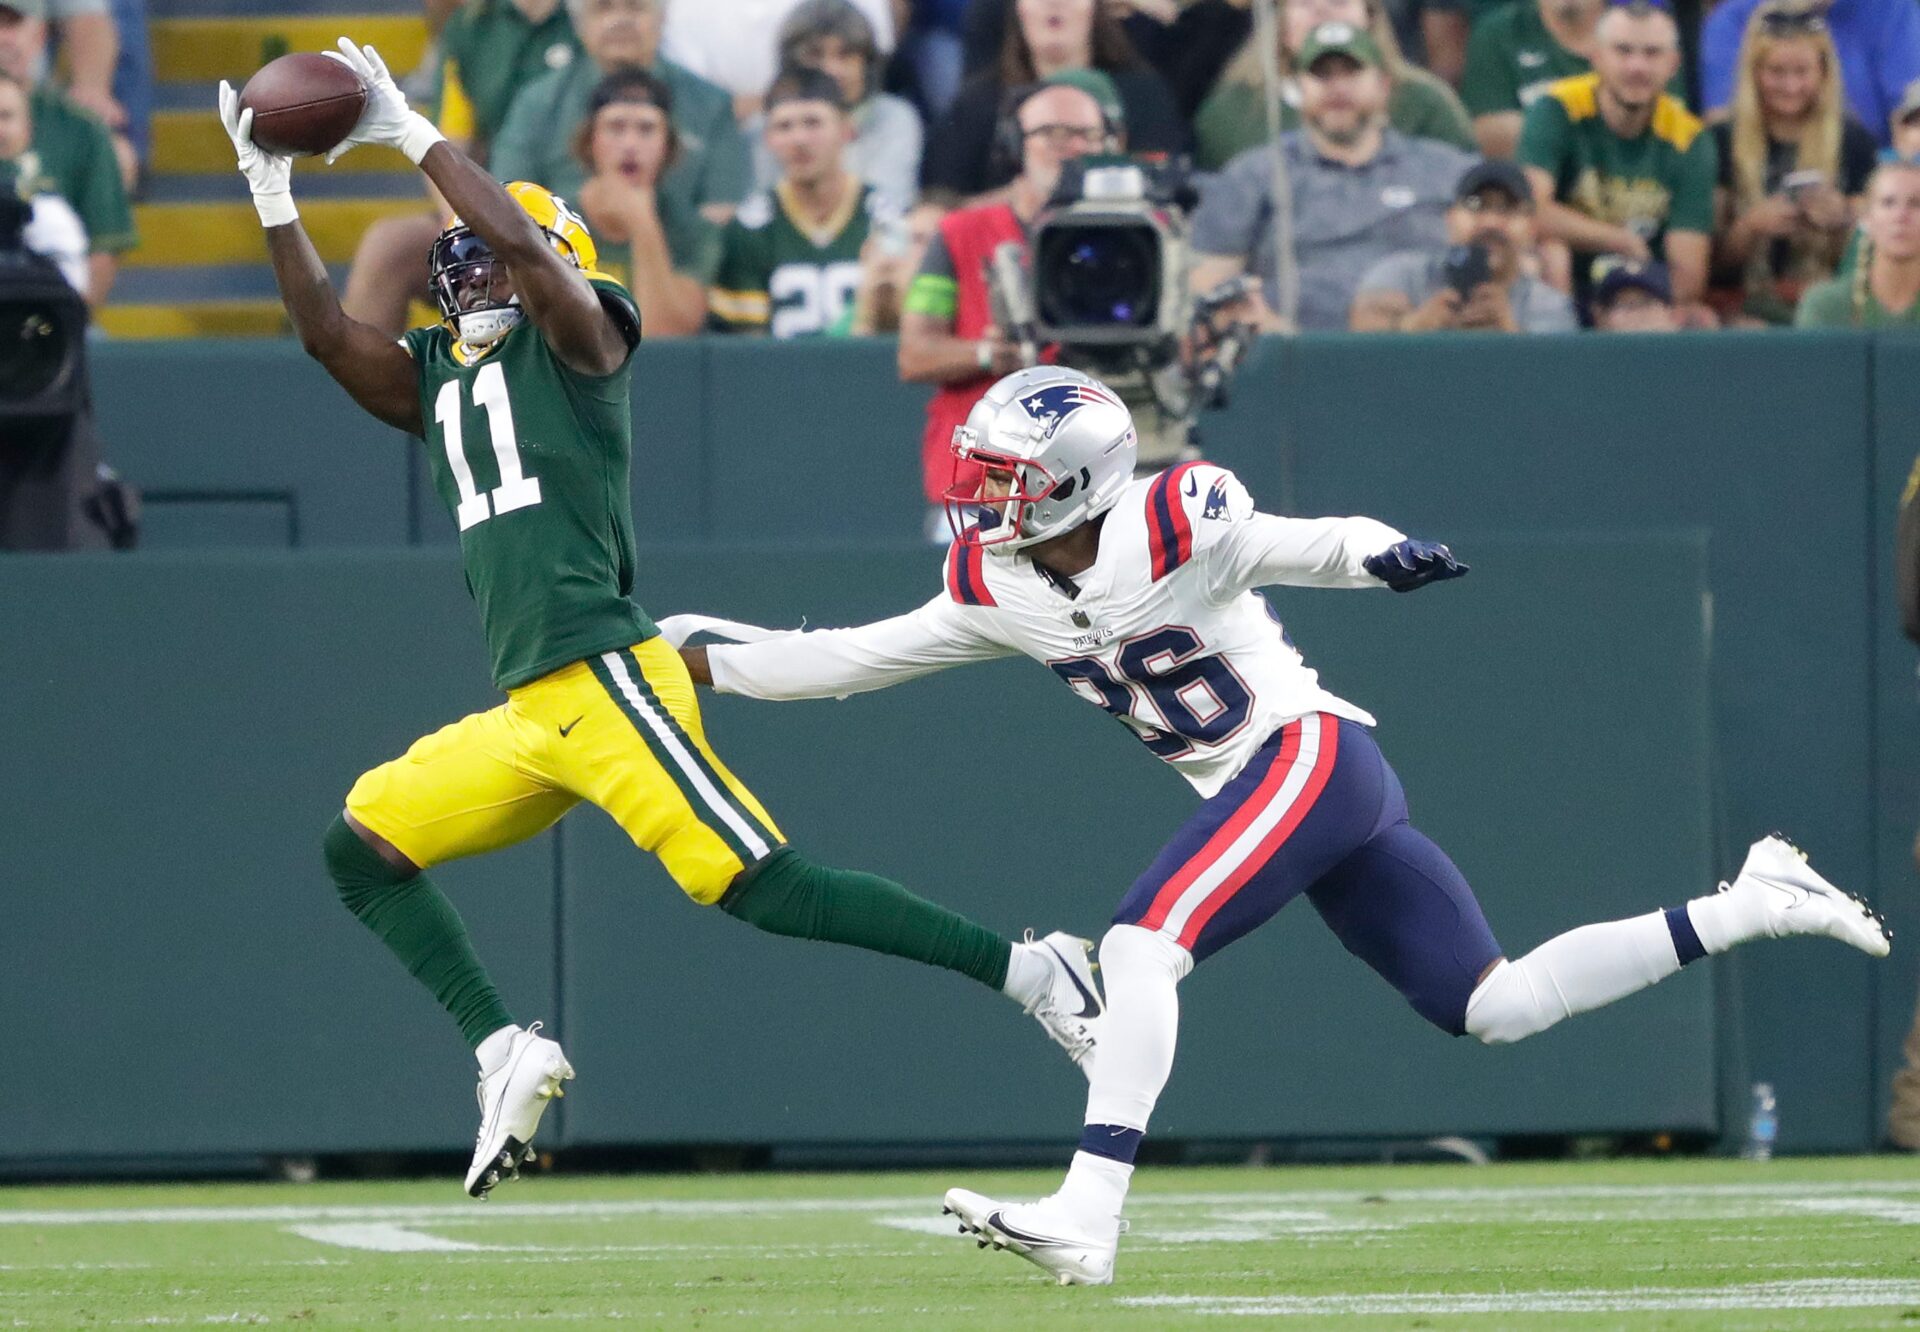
<point>1554,464</point>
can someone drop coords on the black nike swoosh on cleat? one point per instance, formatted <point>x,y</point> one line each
<point>567,730</point>
<point>1090,1003</point>
<point>998,1222</point>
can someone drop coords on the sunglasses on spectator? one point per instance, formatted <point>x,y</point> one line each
<point>1664,6</point>
<point>1782,21</point>
<point>1063,136</point>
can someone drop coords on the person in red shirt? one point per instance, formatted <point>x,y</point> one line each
<point>947,337</point>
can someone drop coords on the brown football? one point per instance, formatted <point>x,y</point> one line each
<point>303,103</point>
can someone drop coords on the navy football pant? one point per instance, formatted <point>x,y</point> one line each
<point>1318,811</point>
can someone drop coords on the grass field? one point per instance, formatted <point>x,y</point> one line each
<point>1653,1244</point>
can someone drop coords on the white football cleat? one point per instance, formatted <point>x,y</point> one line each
<point>1071,1250</point>
<point>513,1095</point>
<point>1785,895</point>
<point>1071,1004</point>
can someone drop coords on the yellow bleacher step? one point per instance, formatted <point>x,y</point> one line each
<point>192,142</point>
<point>223,233</point>
<point>197,319</point>
<point>233,48</point>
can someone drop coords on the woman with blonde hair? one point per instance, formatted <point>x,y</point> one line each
<point>1234,117</point>
<point>1792,166</point>
<point>1883,290</point>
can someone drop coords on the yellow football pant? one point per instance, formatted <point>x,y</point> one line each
<point>622,730</point>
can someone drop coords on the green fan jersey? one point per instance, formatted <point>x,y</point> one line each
<point>532,458</point>
<point>781,276</point>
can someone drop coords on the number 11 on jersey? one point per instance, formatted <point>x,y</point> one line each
<point>516,490</point>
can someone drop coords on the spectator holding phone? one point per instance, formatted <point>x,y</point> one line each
<point>1480,280</point>
<point>1792,166</point>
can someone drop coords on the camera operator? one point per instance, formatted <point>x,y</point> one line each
<point>1480,280</point>
<point>54,494</point>
<point>947,335</point>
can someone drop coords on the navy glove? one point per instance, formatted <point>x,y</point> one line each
<point>1413,564</point>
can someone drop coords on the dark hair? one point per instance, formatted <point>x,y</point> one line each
<point>814,19</point>
<point>797,83</point>
<point>625,83</point>
<point>1112,49</point>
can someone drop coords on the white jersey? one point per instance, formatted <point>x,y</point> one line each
<point>1165,631</point>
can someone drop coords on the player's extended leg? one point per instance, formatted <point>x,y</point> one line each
<point>639,750</point>
<point>1401,906</point>
<point>457,792</point>
<point>1318,790</point>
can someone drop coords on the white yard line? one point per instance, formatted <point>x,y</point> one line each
<point>382,1237</point>
<point>1795,1193</point>
<point>1817,1293</point>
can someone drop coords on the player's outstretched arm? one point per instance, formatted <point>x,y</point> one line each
<point>832,663</point>
<point>557,298</point>
<point>375,370</point>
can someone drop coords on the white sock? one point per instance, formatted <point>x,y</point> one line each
<point>1028,975</point>
<point>1142,1024</point>
<point>1571,973</point>
<point>1096,1187</point>
<point>494,1048</point>
<point>1723,920</point>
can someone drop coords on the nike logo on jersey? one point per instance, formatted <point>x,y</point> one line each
<point>1089,1004</point>
<point>1193,486</point>
<point>567,730</point>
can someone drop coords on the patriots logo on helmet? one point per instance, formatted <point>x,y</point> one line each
<point>1054,404</point>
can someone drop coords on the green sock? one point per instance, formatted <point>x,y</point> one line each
<point>788,894</point>
<point>416,921</point>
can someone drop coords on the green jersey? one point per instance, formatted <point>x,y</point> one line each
<point>1660,180</point>
<point>532,458</point>
<point>782,276</point>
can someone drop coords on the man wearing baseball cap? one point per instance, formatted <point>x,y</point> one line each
<point>1361,191</point>
<point>1634,296</point>
<point>1478,281</point>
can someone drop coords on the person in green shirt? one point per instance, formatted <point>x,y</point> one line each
<point>665,251</point>
<point>522,399</point>
<point>1233,118</point>
<point>1883,291</point>
<point>713,170</point>
<point>489,50</point>
<point>1518,50</point>
<point>790,260</point>
<point>1619,166</point>
<point>72,152</point>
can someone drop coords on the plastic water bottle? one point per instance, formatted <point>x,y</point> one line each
<point>1763,1126</point>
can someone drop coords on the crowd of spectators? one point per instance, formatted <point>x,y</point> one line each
<point>800,168</point>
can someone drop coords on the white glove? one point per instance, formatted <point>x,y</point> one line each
<point>388,120</point>
<point>268,174</point>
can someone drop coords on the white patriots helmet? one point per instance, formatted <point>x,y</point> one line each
<point>1066,439</point>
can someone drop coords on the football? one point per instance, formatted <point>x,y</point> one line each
<point>303,103</point>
